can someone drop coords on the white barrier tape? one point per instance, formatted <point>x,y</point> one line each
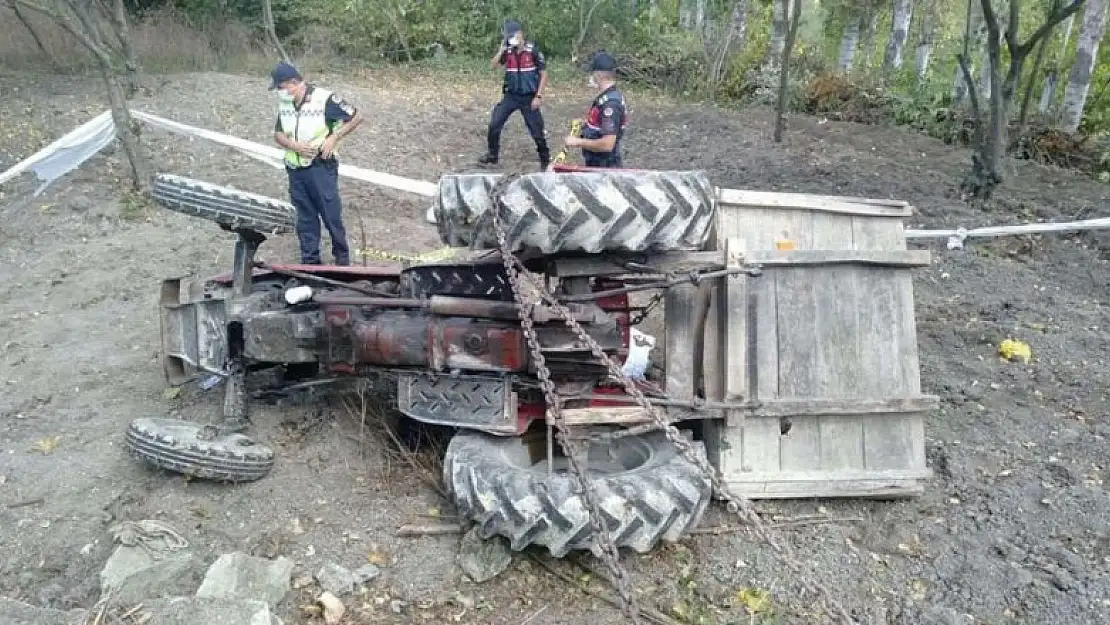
<point>273,155</point>
<point>67,153</point>
<point>957,237</point>
<point>80,144</point>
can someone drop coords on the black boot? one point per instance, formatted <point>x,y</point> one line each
<point>488,159</point>
<point>544,153</point>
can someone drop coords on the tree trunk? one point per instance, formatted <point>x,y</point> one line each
<point>924,51</point>
<point>1086,52</point>
<point>271,30</point>
<point>849,42</point>
<point>126,130</point>
<point>974,32</point>
<point>1027,97</point>
<point>784,66</point>
<point>870,25</point>
<point>133,77</point>
<point>899,32</point>
<point>686,10</point>
<point>779,24</point>
<point>1052,78</point>
<point>719,47</point>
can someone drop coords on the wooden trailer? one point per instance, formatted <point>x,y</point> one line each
<point>820,350</point>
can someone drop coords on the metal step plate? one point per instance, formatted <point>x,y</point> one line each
<point>471,402</point>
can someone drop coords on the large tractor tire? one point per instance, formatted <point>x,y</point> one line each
<point>634,211</point>
<point>231,208</point>
<point>646,490</point>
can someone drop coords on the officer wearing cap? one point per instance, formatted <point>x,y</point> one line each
<point>606,120</point>
<point>522,90</point>
<point>310,124</point>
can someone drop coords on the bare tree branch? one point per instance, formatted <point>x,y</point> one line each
<point>1053,20</point>
<point>34,33</point>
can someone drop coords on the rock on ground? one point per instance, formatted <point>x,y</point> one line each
<point>240,576</point>
<point>18,613</point>
<point>194,610</point>
<point>133,575</point>
<point>482,560</point>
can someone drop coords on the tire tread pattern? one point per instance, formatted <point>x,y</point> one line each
<point>659,501</point>
<point>231,459</point>
<point>592,212</point>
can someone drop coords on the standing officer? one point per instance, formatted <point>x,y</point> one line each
<point>311,122</point>
<point>605,122</point>
<point>522,90</point>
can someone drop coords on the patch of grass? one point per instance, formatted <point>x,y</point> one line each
<point>134,206</point>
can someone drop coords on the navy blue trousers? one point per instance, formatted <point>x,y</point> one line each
<point>314,191</point>
<point>533,120</point>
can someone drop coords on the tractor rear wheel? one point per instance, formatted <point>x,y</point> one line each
<point>631,211</point>
<point>646,490</point>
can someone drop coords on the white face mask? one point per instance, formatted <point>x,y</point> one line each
<point>593,82</point>
<point>515,41</point>
<point>284,95</point>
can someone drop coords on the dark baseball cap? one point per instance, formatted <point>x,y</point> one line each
<point>283,72</point>
<point>602,61</point>
<point>510,28</point>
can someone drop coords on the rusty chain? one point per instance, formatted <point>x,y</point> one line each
<point>607,549</point>
<point>736,503</point>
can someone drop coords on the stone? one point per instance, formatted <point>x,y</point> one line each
<point>336,579</point>
<point>244,577</point>
<point>482,560</point>
<point>367,573</point>
<point>14,612</point>
<point>193,610</point>
<point>133,575</point>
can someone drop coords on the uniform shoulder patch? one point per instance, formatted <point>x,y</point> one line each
<point>607,112</point>
<point>342,104</point>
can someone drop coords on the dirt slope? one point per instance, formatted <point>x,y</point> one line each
<point>1015,529</point>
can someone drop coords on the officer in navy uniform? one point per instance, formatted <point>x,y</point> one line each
<point>310,124</point>
<point>607,118</point>
<point>522,90</point>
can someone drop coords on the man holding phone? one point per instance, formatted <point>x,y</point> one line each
<point>522,90</point>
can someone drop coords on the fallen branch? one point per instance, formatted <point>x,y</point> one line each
<point>785,522</point>
<point>27,502</point>
<point>441,529</point>
<point>531,617</point>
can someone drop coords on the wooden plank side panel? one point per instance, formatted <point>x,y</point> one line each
<point>799,371</point>
<point>759,228</point>
<point>680,309</point>
<point>872,233</point>
<point>894,441</point>
<point>832,231</point>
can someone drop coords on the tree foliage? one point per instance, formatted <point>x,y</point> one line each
<point>853,60</point>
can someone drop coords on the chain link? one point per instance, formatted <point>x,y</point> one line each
<point>738,504</point>
<point>607,550</point>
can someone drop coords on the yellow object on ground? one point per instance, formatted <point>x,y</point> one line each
<point>443,253</point>
<point>1011,349</point>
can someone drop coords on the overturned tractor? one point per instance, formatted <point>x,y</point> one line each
<point>466,348</point>
<point>791,357</point>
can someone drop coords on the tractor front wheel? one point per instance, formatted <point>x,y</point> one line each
<point>646,490</point>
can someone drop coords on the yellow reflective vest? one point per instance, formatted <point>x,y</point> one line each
<point>307,125</point>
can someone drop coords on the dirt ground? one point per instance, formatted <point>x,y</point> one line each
<point>1014,529</point>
